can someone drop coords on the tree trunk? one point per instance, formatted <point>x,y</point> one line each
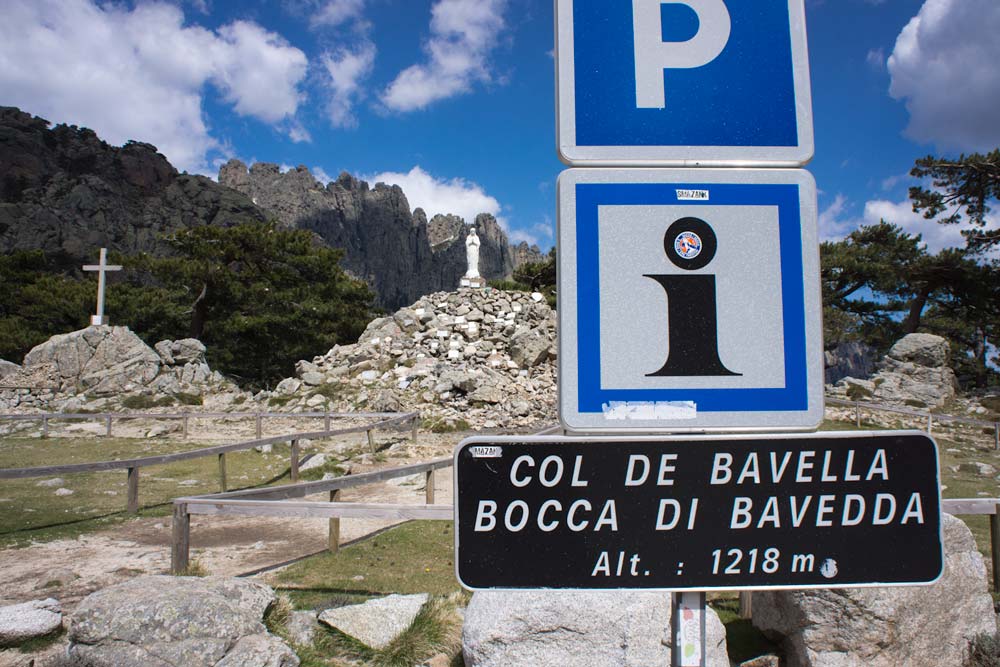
<point>199,313</point>
<point>979,351</point>
<point>912,321</point>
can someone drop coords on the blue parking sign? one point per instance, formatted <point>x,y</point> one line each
<point>683,83</point>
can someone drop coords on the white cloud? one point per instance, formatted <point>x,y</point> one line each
<point>832,223</point>
<point>456,196</point>
<point>539,234</point>
<point>876,59</point>
<point>463,33</point>
<point>935,236</point>
<point>334,13</point>
<point>321,175</point>
<point>141,74</point>
<point>836,222</point>
<point>297,132</point>
<point>345,71</point>
<point>944,67</point>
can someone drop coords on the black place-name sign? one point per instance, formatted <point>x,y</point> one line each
<point>820,510</point>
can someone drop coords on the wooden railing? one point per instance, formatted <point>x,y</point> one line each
<point>262,502</point>
<point>387,420</point>
<point>925,415</point>
<point>109,417</point>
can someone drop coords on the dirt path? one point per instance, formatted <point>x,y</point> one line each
<point>69,570</point>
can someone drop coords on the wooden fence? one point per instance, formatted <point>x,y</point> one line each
<point>386,420</point>
<point>262,502</point>
<point>926,415</point>
<point>109,417</point>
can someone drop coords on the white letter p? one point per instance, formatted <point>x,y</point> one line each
<point>653,55</point>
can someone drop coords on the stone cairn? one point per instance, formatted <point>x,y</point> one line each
<point>480,356</point>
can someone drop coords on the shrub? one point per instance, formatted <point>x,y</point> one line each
<point>440,425</point>
<point>328,390</point>
<point>277,616</point>
<point>189,399</point>
<point>317,473</point>
<point>984,651</point>
<point>279,401</point>
<point>143,402</point>
<point>856,392</point>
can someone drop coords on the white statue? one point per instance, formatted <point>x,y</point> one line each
<point>472,244</point>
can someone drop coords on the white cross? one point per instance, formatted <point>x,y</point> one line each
<point>102,267</point>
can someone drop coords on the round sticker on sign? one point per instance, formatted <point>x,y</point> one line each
<point>690,243</point>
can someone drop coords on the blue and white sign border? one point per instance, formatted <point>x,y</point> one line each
<point>680,156</point>
<point>798,405</point>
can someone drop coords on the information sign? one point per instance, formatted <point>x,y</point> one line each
<point>698,512</point>
<point>689,300</point>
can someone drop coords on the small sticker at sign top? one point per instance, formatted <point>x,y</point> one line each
<point>486,452</point>
<point>692,195</point>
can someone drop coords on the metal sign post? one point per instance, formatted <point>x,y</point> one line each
<point>689,634</point>
<point>689,302</point>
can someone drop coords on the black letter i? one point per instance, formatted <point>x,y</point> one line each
<point>692,324</point>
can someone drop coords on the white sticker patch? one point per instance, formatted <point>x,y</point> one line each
<point>650,410</point>
<point>486,452</point>
<point>692,195</point>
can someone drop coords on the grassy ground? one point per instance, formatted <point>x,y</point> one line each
<point>97,499</point>
<point>414,557</point>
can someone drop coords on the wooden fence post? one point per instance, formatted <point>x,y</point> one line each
<point>133,490</point>
<point>930,421</point>
<point>108,418</point>
<point>184,433</point>
<point>333,539</point>
<point>326,422</point>
<point>746,604</point>
<point>995,547</point>
<point>429,491</point>
<point>371,441</point>
<point>857,415</point>
<point>180,548</point>
<point>45,427</point>
<point>295,461</point>
<point>259,430</point>
<point>222,472</point>
<point>996,435</point>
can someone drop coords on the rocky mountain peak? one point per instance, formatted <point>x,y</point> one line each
<point>399,253</point>
<point>66,192</point>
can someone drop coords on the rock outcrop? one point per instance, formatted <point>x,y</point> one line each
<point>850,359</point>
<point>29,620</point>
<point>485,357</point>
<point>106,361</point>
<point>522,254</point>
<point>576,628</point>
<point>914,373</point>
<point>917,626</point>
<point>160,621</point>
<point>64,191</point>
<point>396,251</point>
<point>376,623</point>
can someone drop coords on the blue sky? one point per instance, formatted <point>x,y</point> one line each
<point>453,99</point>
